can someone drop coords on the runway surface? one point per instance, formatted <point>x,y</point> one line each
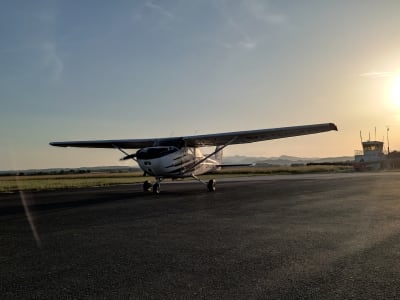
<point>331,236</point>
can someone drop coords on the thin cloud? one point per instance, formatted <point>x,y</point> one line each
<point>241,44</point>
<point>159,9</point>
<point>226,45</point>
<point>247,45</point>
<point>377,74</point>
<point>52,63</point>
<point>46,17</point>
<point>248,23</point>
<point>245,40</point>
<point>260,11</point>
<point>150,10</point>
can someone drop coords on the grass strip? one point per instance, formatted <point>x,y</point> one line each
<point>48,182</point>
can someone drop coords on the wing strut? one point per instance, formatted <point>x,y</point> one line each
<point>127,155</point>
<point>217,149</point>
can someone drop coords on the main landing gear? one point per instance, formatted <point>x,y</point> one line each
<point>210,184</point>
<point>156,187</point>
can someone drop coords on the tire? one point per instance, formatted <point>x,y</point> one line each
<point>211,185</point>
<point>156,188</point>
<point>147,186</point>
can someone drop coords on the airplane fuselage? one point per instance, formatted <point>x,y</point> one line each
<point>174,162</point>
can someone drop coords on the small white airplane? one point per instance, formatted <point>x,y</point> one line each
<point>180,157</point>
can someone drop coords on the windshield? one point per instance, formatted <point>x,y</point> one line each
<point>155,152</point>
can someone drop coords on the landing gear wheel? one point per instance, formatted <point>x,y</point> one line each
<point>156,188</point>
<point>211,185</point>
<point>147,186</point>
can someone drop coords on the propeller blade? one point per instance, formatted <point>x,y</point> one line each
<point>130,156</point>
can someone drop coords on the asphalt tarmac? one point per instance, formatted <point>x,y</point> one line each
<point>329,236</point>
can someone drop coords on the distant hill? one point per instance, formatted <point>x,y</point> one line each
<point>283,160</point>
<point>82,170</point>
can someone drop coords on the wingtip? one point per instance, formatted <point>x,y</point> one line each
<point>55,144</point>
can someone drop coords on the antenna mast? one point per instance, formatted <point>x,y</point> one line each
<point>387,136</point>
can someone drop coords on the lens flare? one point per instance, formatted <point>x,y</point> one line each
<point>29,217</point>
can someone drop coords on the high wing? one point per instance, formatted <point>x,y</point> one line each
<point>127,144</point>
<point>250,136</point>
<point>217,139</point>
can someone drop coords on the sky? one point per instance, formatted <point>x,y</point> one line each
<point>82,70</point>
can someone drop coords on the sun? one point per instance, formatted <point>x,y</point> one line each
<point>395,91</point>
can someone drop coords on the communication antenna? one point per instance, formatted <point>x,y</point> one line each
<point>375,133</point>
<point>360,136</point>
<point>387,136</point>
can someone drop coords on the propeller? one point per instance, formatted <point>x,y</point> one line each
<point>129,156</point>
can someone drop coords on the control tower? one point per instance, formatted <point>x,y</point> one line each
<point>371,157</point>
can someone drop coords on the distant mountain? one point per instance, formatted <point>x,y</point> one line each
<point>240,159</point>
<point>283,160</point>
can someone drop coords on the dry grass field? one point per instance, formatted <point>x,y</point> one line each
<point>45,182</point>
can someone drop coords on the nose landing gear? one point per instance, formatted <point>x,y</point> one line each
<point>155,188</point>
<point>147,186</point>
